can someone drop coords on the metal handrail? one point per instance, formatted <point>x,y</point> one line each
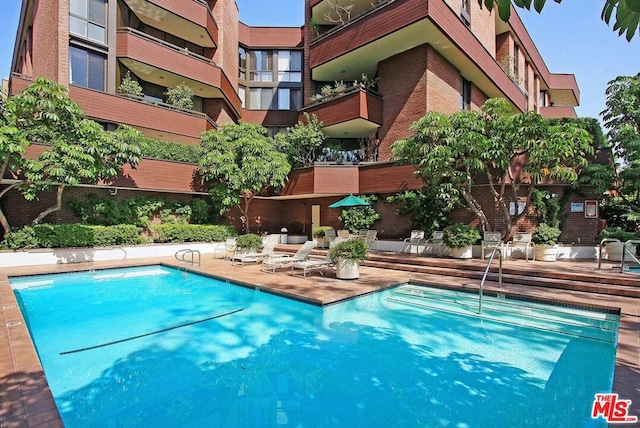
<point>181,255</point>
<point>600,249</point>
<point>625,251</point>
<point>486,272</point>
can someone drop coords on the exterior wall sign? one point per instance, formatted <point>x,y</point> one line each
<point>591,210</point>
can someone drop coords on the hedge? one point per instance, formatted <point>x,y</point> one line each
<point>79,235</point>
<point>191,232</point>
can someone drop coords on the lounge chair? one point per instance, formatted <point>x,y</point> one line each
<point>435,244</point>
<point>267,251</point>
<point>491,241</point>
<point>270,264</point>
<point>228,248</point>
<point>371,238</point>
<point>416,239</point>
<point>330,236</point>
<point>520,241</point>
<point>312,265</point>
<point>343,233</point>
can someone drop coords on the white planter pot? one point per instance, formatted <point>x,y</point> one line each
<point>546,253</point>
<point>462,252</point>
<point>347,269</point>
<point>614,252</point>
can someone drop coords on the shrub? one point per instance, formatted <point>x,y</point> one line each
<point>353,249</point>
<point>167,150</point>
<point>63,235</point>
<point>546,235</point>
<point>21,238</point>
<point>121,234</point>
<point>191,233</point>
<point>359,218</point>
<point>249,241</point>
<point>200,211</point>
<point>180,96</point>
<point>460,235</point>
<point>616,233</point>
<point>130,86</point>
<point>318,232</point>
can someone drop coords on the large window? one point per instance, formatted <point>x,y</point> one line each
<point>88,19</point>
<point>465,11</point>
<point>86,68</point>
<point>289,66</point>
<point>242,61</point>
<point>261,66</point>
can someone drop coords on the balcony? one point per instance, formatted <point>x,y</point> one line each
<point>332,179</point>
<point>167,65</point>
<point>356,113</point>
<point>394,26</point>
<point>563,90</point>
<point>555,112</point>
<point>188,19</point>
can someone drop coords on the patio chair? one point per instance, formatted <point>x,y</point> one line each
<point>312,265</point>
<point>371,238</point>
<point>416,239</point>
<point>343,233</point>
<point>267,251</point>
<point>491,241</point>
<point>270,264</point>
<point>330,235</point>
<point>228,248</point>
<point>520,241</point>
<point>435,244</point>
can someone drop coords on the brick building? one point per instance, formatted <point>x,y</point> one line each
<point>419,56</point>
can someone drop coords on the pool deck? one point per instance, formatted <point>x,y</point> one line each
<point>26,401</point>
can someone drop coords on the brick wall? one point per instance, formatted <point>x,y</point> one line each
<point>404,95</point>
<point>444,84</point>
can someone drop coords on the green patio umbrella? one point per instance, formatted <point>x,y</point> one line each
<point>349,201</point>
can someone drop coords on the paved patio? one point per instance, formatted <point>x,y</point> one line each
<point>26,401</point>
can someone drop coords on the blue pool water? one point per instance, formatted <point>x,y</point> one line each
<point>155,347</point>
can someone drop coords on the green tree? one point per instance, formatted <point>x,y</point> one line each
<point>622,119</point>
<point>302,140</point>
<point>241,161</point>
<point>507,151</point>
<point>85,154</point>
<point>129,86</point>
<point>358,218</point>
<point>428,207</point>
<point>627,12</point>
<point>180,96</point>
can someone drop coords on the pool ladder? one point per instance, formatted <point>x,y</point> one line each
<point>181,255</point>
<point>486,272</point>
<point>625,251</point>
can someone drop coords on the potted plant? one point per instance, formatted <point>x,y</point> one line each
<point>347,256</point>
<point>249,243</point>
<point>460,238</point>
<point>546,239</point>
<point>614,248</point>
<point>319,234</point>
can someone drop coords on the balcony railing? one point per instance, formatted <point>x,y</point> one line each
<point>353,89</point>
<point>373,9</point>
<point>165,44</point>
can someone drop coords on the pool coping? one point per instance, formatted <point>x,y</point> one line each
<point>26,400</point>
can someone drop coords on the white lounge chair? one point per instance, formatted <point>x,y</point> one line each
<point>435,244</point>
<point>312,265</point>
<point>416,239</point>
<point>270,264</point>
<point>267,251</point>
<point>228,248</point>
<point>491,241</point>
<point>520,241</point>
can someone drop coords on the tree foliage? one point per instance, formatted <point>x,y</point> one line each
<point>509,152</point>
<point>359,218</point>
<point>622,119</point>
<point>626,16</point>
<point>302,140</point>
<point>241,161</point>
<point>180,96</point>
<point>79,151</point>
<point>428,207</point>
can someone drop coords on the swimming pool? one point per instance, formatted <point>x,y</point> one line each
<point>155,347</point>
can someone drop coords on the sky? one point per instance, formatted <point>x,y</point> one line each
<point>570,36</point>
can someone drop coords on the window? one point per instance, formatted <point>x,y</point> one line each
<point>86,68</point>
<point>465,12</point>
<point>88,19</point>
<point>242,54</point>
<point>465,95</point>
<point>261,66</point>
<point>516,62</point>
<point>289,66</point>
<point>543,99</point>
<point>261,98</point>
<point>526,76</point>
<point>289,99</point>
<point>242,93</point>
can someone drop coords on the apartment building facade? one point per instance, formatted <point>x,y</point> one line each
<point>384,63</point>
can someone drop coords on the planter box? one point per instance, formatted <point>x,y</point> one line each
<point>546,253</point>
<point>614,252</point>
<point>347,269</point>
<point>462,252</point>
